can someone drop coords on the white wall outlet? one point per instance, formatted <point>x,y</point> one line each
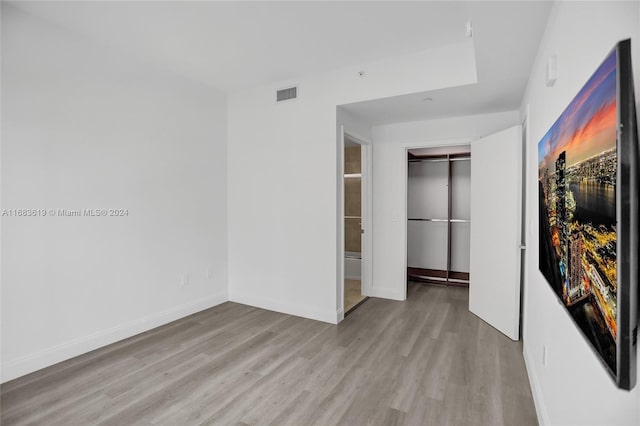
<point>208,272</point>
<point>544,355</point>
<point>184,279</point>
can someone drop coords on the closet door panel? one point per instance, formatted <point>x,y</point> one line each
<point>461,189</point>
<point>427,245</point>
<point>427,191</point>
<point>460,246</point>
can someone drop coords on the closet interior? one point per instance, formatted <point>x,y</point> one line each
<point>439,215</point>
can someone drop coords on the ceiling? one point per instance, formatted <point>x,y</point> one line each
<point>235,45</point>
<point>506,37</point>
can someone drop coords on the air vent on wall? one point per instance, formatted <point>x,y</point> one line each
<point>287,94</point>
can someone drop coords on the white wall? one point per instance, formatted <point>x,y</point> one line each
<point>390,143</point>
<point>573,388</point>
<point>359,128</point>
<point>283,171</point>
<point>85,128</point>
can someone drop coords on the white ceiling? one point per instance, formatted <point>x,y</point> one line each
<point>506,39</point>
<point>236,45</point>
<point>232,45</point>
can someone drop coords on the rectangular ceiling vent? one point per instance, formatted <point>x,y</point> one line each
<point>288,94</point>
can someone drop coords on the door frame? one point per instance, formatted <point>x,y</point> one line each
<point>525,218</point>
<point>435,144</point>
<point>366,266</point>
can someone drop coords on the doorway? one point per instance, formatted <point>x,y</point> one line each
<point>438,215</point>
<point>354,215</point>
<point>495,231</point>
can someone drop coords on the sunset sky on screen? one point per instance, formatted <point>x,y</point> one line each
<point>588,126</point>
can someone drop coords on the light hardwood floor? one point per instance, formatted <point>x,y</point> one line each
<point>352,294</point>
<point>426,361</point>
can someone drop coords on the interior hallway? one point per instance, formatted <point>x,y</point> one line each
<point>424,361</point>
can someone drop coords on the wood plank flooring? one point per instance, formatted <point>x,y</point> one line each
<point>426,361</point>
<point>352,294</point>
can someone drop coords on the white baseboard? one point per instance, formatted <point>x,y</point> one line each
<point>339,315</point>
<point>55,354</point>
<point>538,401</point>
<point>387,293</point>
<point>285,308</point>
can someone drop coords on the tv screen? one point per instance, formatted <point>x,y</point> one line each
<point>588,213</point>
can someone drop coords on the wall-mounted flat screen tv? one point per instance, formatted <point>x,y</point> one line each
<point>588,213</point>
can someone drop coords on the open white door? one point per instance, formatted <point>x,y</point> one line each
<point>494,286</point>
<point>367,207</point>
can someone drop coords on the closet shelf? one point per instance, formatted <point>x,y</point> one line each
<point>428,160</point>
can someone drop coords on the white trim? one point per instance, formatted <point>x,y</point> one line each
<point>366,255</point>
<point>340,226</point>
<point>339,315</point>
<point>516,326</point>
<point>389,293</point>
<point>527,225</point>
<point>64,351</point>
<point>536,392</point>
<point>284,307</point>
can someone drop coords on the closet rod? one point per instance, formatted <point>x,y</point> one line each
<point>438,160</point>
<point>419,219</point>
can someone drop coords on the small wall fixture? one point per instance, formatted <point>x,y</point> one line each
<point>469,28</point>
<point>552,70</point>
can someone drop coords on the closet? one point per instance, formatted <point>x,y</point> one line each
<point>439,215</point>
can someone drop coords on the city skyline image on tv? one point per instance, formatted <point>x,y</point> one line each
<point>577,167</point>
